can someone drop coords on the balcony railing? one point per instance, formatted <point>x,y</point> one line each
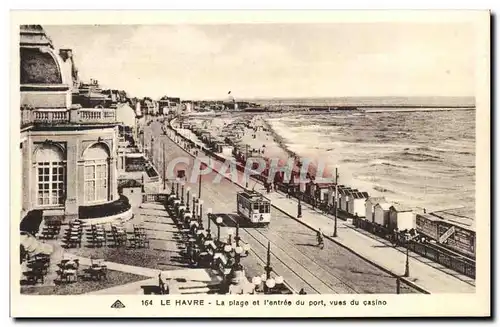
<point>75,115</point>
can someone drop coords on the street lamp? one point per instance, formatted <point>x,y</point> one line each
<point>299,210</point>
<point>209,217</point>
<point>268,269</point>
<point>194,206</point>
<point>238,250</point>
<point>407,264</point>
<point>200,220</point>
<point>177,187</point>
<point>172,192</point>
<point>182,192</point>
<point>336,200</point>
<point>219,222</point>
<point>188,191</point>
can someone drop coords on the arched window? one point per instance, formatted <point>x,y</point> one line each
<point>51,175</point>
<point>96,173</point>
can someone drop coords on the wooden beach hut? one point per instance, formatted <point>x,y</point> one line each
<point>401,217</point>
<point>382,213</point>
<point>370,207</point>
<point>345,192</point>
<point>357,202</point>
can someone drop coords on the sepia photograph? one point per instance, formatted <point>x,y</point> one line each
<point>312,164</point>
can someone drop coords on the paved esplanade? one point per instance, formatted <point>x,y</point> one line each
<point>295,255</point>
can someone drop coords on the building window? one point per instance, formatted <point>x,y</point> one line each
<point>96,174</point>
<point>96,181</point>
<point>51,175</point>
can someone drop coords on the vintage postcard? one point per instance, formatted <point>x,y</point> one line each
<point>250,164</point>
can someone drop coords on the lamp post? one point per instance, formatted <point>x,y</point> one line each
<point>194,206</point>
<point>151,147</point>
<point>188,191</point>
<point>268,269</point>
<point>238,250</point>
<point>219,222</point>
<point>172,191</point>
<point>229,236</point>
<point>177,188</point>
<point>209,217</point>
<point>200,217</point>
<point>407,264</point>
<point>164,168</point>
<point>299,210</point>
<point>182,192</point>
<point>335,203</point>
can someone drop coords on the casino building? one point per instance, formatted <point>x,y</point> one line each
<point>69,138</point>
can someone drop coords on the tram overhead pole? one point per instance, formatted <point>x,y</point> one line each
<point>164,168</point>
<point>335,203</point>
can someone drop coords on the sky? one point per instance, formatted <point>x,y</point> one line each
<point>275,60</point>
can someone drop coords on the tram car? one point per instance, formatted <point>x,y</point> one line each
<point>254,207</point>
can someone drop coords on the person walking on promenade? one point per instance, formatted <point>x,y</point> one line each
<point>319,236</point>
<point>302,292</point>
<point>268,187</point>
<point>299,210</point>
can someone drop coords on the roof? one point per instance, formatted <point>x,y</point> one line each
<point>343,190</point>
<point>252,195</point>
<point>360,195</point>
<point>34,35</point>
<point>384,205</point>
<point>428,216</point>
<point>464,216</point>
<point>400,208</point>
<point>375,199</point>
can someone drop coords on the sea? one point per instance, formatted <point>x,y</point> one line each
<point>421,159</point>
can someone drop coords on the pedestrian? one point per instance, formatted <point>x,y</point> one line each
<point>302,292</point>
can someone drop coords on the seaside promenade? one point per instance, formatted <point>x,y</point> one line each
<point>428,275</point>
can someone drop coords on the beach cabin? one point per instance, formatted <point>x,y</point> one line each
<point>311,189</point>
<point>370,206</point>
<point>331,195</point>
<point>401,217</point>
<point>322,191</point>
<point>357,203</point>
<point>345,197</point>
<point>381,211</point>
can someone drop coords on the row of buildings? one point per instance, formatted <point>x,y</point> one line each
<point>75,137</point>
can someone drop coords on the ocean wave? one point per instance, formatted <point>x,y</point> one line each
<point>420,156</point>
<point>441,150</point>
<point>379,162</point>
<point>382,189</point>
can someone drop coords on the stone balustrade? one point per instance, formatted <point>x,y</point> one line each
<point>74,115</point>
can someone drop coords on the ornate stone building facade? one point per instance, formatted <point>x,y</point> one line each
<point>69,153</point>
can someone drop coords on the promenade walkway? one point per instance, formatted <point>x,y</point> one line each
<point>386,257</point>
